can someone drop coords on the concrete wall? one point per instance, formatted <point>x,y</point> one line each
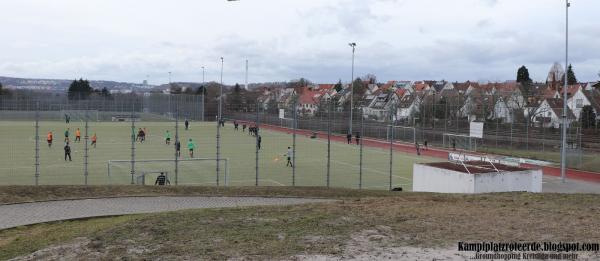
<point>432,179</point>
<point>527,180</point>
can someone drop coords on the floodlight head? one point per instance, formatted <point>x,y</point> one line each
<point>352,44</point>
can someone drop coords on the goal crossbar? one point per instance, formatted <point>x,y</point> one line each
<point>414,130</point>
<point>226,160</point>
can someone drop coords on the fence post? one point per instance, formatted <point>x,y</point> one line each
<point>176,144</point>
<point>361,137</point>
<point>85,146</point>
<point>391,137</point>
<point>219,119</point>
<point>328,177</point>
<point>37,142</point>
<point>294,122</point>
<point>132,143</point>
<point>258,141</point>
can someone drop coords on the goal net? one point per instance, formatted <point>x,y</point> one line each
<point>404,134</point>
<point>79,115</point>
<point>197,171</point>
<point>459,142</point>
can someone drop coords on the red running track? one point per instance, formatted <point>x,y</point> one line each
<point>434,152</point>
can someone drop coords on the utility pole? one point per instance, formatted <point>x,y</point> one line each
<point>563,156</point>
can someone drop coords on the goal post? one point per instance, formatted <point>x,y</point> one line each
<point>459,141</point>
<point>404,133</point>
<point>79,115</point>
<point>196,171</point>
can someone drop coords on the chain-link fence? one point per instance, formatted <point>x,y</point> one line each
<point>133,138</point>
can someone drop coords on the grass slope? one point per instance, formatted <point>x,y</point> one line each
<point>404,219</point>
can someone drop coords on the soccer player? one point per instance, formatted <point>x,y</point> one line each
<point>235,125</point>
<point>425,143</point>
<point>191,147</point>
<point>357,137</point>
<point>289,157</point>
<point>67,118</point>
<point>259,140</point>
<point>178,148</point>
<point>94,139</point>
<point>78,135</point>
<point>49,138</point>
<point>187,124</point>
<point>67,135</point>
<point>418,148</point>
<point>162,180</point>
<point>349,138</point>
<point>140,135</point>
<point>168,138</point>
<point>67,151</point>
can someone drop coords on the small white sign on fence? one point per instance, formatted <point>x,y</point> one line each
<point>476,130</point>
<point>281,113</point>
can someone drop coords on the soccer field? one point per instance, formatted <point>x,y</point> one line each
<point>17,157</point>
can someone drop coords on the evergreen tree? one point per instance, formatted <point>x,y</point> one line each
<point>440,109</point>
<point>235,99</point>
<point>588,117</point>
<point>201,90</point>
<point>80,89</point>
<point>524,80</point>
<point>571,79</point>
<point>338,86</point>
<point>105,92</point>
<point>523,75</point>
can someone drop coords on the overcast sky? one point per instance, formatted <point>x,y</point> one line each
<point>458,40</point>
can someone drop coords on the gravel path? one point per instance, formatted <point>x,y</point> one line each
<point>40,212</point>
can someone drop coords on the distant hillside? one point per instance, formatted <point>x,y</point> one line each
<point>63,85</point>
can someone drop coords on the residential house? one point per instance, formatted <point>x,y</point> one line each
<point>477,106</point>
<point>582,97</point>
<point>381,105</point>
<point>549,113</point>
<point>408,107</point>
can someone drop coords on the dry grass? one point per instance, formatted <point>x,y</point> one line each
<point>18,194</point>
<point>407,219</point>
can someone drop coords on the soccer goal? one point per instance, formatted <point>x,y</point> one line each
<point>459,142</point>
<point>147,177</point>
<point>79,115</point>
<point>404,134</point>
<point>196,171</point>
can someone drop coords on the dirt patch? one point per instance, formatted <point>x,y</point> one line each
<point>376,244</point>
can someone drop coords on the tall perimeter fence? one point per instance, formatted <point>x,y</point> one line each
<point>313,137</point>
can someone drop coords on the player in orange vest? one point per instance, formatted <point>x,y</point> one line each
<point>78,135</point>
<point>94,138</point>
<point>49,138</point>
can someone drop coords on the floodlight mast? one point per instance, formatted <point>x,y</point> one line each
<point>563,156</point>
<point>353,45</point>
